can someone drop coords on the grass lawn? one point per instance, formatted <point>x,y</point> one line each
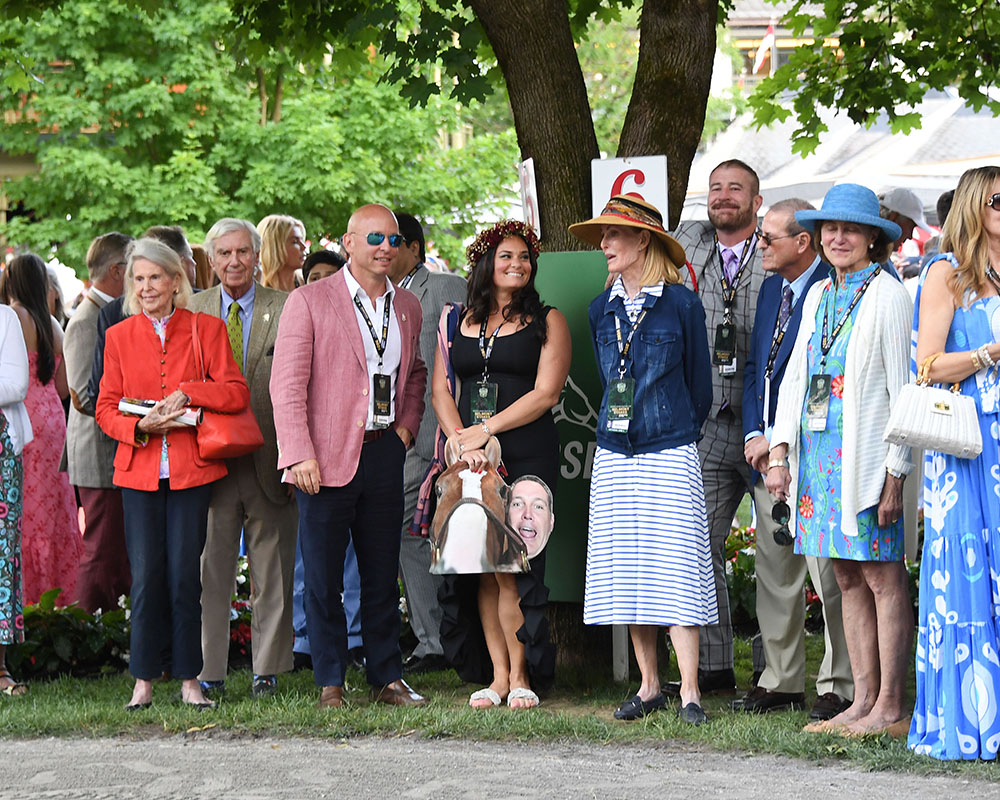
<point>579,709</point>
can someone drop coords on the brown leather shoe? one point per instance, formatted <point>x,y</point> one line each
<point>828,706</point>
<point>397,693</point>
<point>331,697</point>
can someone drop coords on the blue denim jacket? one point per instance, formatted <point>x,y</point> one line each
<point>670,363</point>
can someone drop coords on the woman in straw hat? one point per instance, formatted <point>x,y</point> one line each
<point>648,556</point>
<point>850,360</point>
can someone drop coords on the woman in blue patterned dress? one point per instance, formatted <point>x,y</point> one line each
<point>958,311</point>
<point>649,561</point>
<point>850,360</point>
<point>15,432</point>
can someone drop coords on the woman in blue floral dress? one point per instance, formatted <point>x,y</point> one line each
<point>958,315</point>
<point>15,432</point>
<point>850,360</point>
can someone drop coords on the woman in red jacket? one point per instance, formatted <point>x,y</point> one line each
<point>166,485</point>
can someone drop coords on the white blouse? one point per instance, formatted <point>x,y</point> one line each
<point>14,379</point>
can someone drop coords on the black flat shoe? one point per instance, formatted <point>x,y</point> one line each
<point>206,706</point>
<point>693,714</point>
<point>138,706</point>
<point>636,708</point>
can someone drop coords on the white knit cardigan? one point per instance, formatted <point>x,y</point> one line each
<point>877,365</point>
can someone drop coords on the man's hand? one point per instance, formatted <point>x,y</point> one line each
<point>756,452</point>
<point>305,474</point>
<point>405,435</point>
<point>890,506</point>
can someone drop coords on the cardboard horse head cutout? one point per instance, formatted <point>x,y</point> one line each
<point>469,533</point>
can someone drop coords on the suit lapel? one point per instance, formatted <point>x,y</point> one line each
<point>419,285</point>
<point>260,328</point>
<point>343,305</point>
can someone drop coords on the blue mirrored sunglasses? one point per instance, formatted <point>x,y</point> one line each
<point>375,239</point>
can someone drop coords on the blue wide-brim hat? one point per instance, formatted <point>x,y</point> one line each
<point>849,202</point>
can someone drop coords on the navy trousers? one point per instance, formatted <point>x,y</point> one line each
<point>165,534</point>
<point>368,511</point>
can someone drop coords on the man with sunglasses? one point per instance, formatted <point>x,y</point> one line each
<point>726,272</point>
<point>348,391</point>
<point>787,254</point>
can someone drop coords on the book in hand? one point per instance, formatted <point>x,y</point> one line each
<point>129,405</point>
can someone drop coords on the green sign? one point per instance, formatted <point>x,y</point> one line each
<point>569,281</point>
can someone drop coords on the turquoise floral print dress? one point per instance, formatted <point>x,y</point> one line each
<point>818,526</point>
<point>11,480</point>
<point>956,715</point>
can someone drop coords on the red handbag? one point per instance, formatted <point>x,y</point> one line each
<point>221,435</point>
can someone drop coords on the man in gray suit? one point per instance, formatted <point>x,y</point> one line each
<point>433,290</point>
<point>726,265</point>
<point>103,575</point>
<point>251,497</point>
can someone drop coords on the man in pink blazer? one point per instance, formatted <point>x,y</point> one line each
<point>347,385</point>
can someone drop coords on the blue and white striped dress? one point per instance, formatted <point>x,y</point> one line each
<point>648,555</point>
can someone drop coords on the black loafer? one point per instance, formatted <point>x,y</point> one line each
<point>828,706</point>
<point>693,714</point>
<point>761,701</point>
<point>636,708</point>
<point>132,707</point>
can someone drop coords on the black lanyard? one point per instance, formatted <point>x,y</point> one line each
<point>626,346</point>
<point>379,345</point>
<point>729,289</point>
<point>779,335</point>
<point>994,278</point>
<point>828,338</point>
<point>405,283</point>
<point>486,349</point>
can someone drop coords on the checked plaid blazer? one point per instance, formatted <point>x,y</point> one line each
<point>698,240</point>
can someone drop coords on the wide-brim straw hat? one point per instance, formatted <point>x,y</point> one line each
<point>849,202</point>
<point>630,211</point>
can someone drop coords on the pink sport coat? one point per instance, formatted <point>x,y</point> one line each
<point>319,378</point>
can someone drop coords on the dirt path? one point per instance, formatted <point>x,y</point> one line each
<point>394,769</point>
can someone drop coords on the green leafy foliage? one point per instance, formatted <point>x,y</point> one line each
<point>69,641</point>
<point>891,52</point>
<point>146,118</point>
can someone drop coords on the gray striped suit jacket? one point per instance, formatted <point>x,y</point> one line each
<point>698,241</point>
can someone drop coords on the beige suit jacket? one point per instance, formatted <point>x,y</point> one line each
<point>89,451</point>
<point>267,308</point>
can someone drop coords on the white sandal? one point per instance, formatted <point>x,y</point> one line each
<point>484,694</point>
<point>522,693</point>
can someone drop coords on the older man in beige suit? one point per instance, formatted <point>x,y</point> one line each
<point>251,497</point>
<point>103,575</point>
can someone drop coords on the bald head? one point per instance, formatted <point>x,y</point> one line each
<point>372,243</point>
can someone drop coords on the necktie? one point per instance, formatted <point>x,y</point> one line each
<point>786,307</point>
<point>729,262</point>
<point>235,327</point>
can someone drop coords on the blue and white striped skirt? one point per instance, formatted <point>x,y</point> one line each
<point>648,556</point>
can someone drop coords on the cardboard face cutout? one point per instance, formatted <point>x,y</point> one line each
<point>529,513</point>
<point>470,533</point>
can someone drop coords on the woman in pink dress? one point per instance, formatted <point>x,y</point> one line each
<point>51,544</point>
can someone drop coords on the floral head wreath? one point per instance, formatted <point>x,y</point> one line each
<point>491,238</point>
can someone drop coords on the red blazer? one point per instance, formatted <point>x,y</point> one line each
<point>135,365</point>
<point>319,378</point>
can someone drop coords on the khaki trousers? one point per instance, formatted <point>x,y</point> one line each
<point>781,577</point>
<point>238,503</point>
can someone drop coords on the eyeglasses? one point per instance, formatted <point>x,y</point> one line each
<point>781,513</point>
<point>994,202</point>
<point>767,239</point>
<point>376,238</point>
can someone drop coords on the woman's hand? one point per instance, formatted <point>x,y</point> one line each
<point>476,459</point>
<point>471,438</point>
<point>777,482</point>
<point>162,417</point>
<point>890,505</point>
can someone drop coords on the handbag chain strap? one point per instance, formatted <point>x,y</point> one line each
<point>923,373</point>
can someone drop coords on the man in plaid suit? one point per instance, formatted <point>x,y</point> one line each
<point>726,265</point>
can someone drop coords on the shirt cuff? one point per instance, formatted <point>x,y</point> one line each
<point>752,435</point>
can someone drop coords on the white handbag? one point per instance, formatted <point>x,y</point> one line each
<point>930,418</point>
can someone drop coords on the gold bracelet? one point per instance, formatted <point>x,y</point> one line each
<point>976,364</point>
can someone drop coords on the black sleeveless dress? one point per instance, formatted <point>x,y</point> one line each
<point>532,449</point>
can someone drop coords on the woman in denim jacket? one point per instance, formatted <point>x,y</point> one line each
<point>648,556</point>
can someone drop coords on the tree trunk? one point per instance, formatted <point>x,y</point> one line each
<point>551,111</point>
<point>673,76</point>
<point>279,90</point>
<point>262,94</point>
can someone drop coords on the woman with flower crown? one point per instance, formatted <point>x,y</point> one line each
<point>513,353</point>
